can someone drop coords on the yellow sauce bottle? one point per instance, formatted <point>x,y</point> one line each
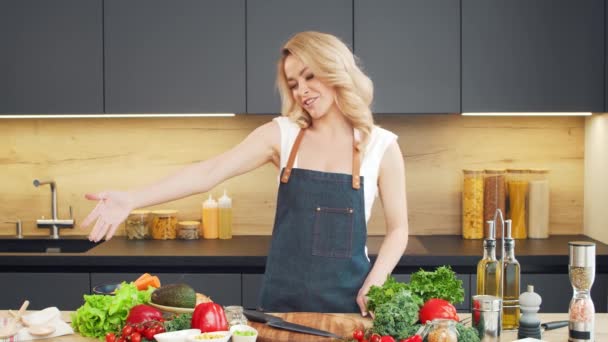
<point>210,219</point>
<point>225,221</point>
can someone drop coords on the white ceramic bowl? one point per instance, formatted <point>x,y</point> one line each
<point>216,336</point>
<point>243,338</point>
<point>176,336</point>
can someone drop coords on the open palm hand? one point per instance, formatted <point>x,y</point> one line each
<point>111,210</point>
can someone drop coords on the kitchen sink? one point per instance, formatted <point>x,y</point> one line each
<point>40,244</point>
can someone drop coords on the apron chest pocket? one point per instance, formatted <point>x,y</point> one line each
<point>333,232</point>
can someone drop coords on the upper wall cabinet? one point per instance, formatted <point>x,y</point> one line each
<point>51,60</point>
<point>532,56</point>
<point>167,56</point>
<point>270,23</point>
<point>411,51</point>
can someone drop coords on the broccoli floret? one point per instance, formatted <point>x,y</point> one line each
<point>466,334</point>
<point>398,317</point>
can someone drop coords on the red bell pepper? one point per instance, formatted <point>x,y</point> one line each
<point>209,317</point>
<point>437,308</point>
<point>143,313</point>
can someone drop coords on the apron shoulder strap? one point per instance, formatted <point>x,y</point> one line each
<point>294,151</point>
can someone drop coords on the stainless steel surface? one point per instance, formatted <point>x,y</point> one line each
<point>54,224</point>
<point>18,228</point>
<point>487,317</point>
<point>581,253</point>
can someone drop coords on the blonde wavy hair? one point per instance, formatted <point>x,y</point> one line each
<point>333,63</point>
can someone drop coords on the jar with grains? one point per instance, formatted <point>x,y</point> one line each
<point>443,330</point>
<point>517,190</point>
<point>137,225</point>
<point>235,315</point>
<point>164,224</point>
<point>472,204</point>
<point>494,196</point>
<point>188,230</point>
<point>538,204</point>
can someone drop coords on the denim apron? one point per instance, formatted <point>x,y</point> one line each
<point>317,260</point>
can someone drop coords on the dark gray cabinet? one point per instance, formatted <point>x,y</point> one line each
<point>167,56</point>
<point>532,56</point>
<point>222,288</point>
<point>270,23</point>
<point>252,285</point>
<point>63,290</point>
<point>465,306</point>
<point>51,60</point>
<point>411,51</point>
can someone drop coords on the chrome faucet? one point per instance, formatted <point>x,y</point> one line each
<point>54,224</point>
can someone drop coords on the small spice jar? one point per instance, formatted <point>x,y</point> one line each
<point>188,230</point>
<point>494,196</point>
<point>235,315</point>
<point>472,204</point>
<point>164,224</point>
<point>443,330</point>
<point>136,225</point>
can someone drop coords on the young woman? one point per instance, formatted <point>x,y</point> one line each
<point>333,162</point>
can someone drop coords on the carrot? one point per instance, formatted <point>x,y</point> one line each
<point>143,276</point>
<point>147,280</point>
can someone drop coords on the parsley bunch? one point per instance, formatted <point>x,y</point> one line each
<point>441,283</point>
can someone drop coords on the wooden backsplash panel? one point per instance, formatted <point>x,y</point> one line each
<point>89,155</point>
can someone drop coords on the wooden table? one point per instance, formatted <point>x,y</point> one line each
<point>558,335</point>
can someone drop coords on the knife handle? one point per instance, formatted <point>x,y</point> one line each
<point>554,325</point>
<point>257,316</point>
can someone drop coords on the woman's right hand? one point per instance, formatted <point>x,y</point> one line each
<point>111,210</point>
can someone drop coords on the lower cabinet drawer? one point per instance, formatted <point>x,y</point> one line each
<point>63,290</point>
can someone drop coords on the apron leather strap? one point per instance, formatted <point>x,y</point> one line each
<point>294,152</point>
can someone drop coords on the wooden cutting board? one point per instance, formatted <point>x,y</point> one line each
<point>339,324</point>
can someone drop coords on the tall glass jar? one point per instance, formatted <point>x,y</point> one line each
<point>494,196</point>
<point>164,224</point>
<point>517,189</point>
<point>581,271</point>
<point>538,204</point>
<point>472,204</point>
<point>137,225</point>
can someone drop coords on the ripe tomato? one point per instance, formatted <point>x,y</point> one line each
<point>110,337</point>
<point>387,338</point>
<point>358,335</point>
<point>126,331</point>
<point>149,333</point>
<point>375,338</point>
<point>135,337</point>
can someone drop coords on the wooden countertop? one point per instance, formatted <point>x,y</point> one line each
<point>558,335</point>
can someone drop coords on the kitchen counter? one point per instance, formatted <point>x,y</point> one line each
<point>601,328</point>
<point>248,254</point>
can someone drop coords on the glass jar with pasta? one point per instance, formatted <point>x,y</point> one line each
<point>137,225</point>
<point>472,204</point>
<point>494,196</point>
<point>517,189</point>
<point>164,224</point>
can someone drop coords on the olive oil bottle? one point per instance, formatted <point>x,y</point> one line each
<point>511,283</point>
<point>488,268</point>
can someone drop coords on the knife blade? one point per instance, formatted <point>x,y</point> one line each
<point>279,323</point>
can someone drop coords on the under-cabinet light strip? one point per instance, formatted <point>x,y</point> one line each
<point>529,114</point>
<point>110,116</point>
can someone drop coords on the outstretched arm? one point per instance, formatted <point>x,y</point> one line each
<point>391,184</point>
<point>113,207</point>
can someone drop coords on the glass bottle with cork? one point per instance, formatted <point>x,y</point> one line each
<point>225,218</point>
<point>517,189</point>
<point>538,204</point>
<point>494,195</point>
<point>210,219</point>
<point>472,204</point>
<point>488,268</point>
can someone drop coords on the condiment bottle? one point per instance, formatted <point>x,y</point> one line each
<point>494,195</point>
<point>538,204</point>
<point>517,189</point>
<point>225,219</point>
<point>472,204</point>
<point>510,282</point>
<point>210,218</point>
<point>488,268</point>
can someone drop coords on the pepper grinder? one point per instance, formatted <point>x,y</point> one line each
<point>529,323</point>
<point>581,270</point>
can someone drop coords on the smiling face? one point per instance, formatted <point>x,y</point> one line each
<point>308,91</point>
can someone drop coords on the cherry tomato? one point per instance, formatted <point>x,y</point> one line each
<point>375,338</point>
<point>110,337</point>
<point>121,339</point>
<point>149,333</point>
<point>160,329</point>
<point>358,335</point>
<point>135,337</point>
<point>387,338</point>
<point>127,330</point>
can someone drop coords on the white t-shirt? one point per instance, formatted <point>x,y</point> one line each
<point>379,140</point>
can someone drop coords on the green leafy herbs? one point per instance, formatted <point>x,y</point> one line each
<point>101,314</point>
<point>466,334</point>
<point>378,295</point>
<point>179,322</point>
<point>396,316</point>
<point>441,283</point>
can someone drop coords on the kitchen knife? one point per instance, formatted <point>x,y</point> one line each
<point>279,323</point>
